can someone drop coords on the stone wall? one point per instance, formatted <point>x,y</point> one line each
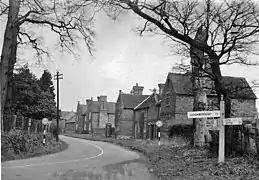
<point>95,119</point>
<point>111,119</point>
<point>103,119</point>
<point>126,123</point>
<point>243,108</point>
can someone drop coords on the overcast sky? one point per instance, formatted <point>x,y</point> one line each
<point>122,59</point>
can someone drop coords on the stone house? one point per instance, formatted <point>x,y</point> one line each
<point>94,115</point>
<point>100,113</point>
<point>70,120</point>
<point>146,114</point>
<point>177,98</point>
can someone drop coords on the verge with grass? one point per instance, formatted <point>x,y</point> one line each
<point>175,159</point>
<point>17,144</point>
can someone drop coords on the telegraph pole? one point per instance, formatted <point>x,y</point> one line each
<point>58,77</point>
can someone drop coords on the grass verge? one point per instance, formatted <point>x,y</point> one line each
<point>175,160</point>
<point>21,145</point>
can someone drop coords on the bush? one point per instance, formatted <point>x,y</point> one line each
<point>17,144</point>
<point>182,130</point>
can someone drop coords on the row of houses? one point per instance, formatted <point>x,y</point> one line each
<point>134,113</point>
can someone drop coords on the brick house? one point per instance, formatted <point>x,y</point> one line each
<point>145,116</point>
<point>177,98</point>
<point>124,113</point>
<point>70,120</point>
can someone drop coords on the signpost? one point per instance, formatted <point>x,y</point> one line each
<point>44,122</point>
<point>232,121</point>
<point>216,124</point>
<point>159,124</point>
<point>203,114</point>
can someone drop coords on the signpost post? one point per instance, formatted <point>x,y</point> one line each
<point>159,124</point>
<point>221,157</point>
<point>44,122</point>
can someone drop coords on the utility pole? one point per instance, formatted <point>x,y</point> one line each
<point>58,77</point>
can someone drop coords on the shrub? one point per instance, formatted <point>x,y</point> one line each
<point>18,144</point>
<point>182,130</point>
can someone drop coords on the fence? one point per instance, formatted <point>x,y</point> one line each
<point>22,123</point>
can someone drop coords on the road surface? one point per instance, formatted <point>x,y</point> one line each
<point>83,160</point>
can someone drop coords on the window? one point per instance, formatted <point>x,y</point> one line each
<point>90,115</point>
<point>167,99</point>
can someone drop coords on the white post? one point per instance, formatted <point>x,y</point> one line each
<point>221,157</point>
<point>158,135</point>
<point>44,135</point>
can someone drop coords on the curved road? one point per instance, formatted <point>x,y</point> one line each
<point>83,160</point>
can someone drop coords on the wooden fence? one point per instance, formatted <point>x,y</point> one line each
<point>23,123</point>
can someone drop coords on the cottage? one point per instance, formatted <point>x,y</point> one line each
<point>177,98</point>
<point>146,114</point>
<point>70,120</point>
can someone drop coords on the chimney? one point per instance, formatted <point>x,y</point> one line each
<point>120,91</point>
<point>161,88</point>
<point>98,98</point>
<point>103,98</point>
<point>88,101</point>
<point>137,90</point>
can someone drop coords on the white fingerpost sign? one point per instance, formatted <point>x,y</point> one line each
<point>203,114</point>
<point>232,121</point>
<point>159,124</point>
<point>44,122</point>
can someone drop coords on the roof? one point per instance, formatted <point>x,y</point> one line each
<point>236,86</point>
<point>82,109</point>
<point>95,107</point>
<point>68,116</point>
<point>149,100</point>
<point>131,101</point>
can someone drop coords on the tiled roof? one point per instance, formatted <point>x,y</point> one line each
<point>131,101</point>
<point>95,107</point>
<point>149,101</point>
<point>237,87</point>
<point>69,116</point>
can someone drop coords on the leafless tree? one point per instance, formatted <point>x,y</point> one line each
<point>231,31</point>
<point>70,20</point>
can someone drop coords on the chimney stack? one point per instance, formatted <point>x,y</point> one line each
<point>161,88</point>
<point>137,90</point>
<point>98,98</point>
<point>103,98</point>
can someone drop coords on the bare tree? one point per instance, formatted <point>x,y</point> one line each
<point>231,28</point>
<point>70,20</point>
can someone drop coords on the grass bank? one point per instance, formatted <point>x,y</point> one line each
<point>174,159</point>
<point>17,144</point>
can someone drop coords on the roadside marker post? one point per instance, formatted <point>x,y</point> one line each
<point>44,122</point>
<point>159,124</point>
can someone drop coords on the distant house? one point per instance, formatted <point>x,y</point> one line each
<point>70,120</point>
<point>146,114</point>
<point>100,113</point>
<point>81,120</point>
<point>94,115</point>
<point>177,98</point>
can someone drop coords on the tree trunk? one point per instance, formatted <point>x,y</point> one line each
<point>9,52</point>
<point>200,100</point>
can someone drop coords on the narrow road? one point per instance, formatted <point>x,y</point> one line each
<point>83,160</point>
